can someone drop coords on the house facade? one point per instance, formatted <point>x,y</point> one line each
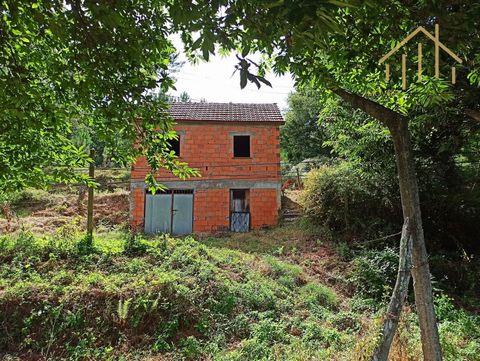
<point>236,149</point>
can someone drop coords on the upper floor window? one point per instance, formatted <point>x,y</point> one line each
<point>241,146</point>
<point>175,145</point>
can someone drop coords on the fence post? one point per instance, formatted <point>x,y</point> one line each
<point>298,180</point>
<point>91,174</point>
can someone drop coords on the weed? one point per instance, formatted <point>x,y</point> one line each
<point>181,299</point>
<point>134,246</point>
<point>374,273</point>
<point>85,246</point>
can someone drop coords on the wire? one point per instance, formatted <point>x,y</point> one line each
<point>216,165</point>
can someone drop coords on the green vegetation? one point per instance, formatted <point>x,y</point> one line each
<point>349,201</point>
<point>78,73</point>
<point>135,298</point>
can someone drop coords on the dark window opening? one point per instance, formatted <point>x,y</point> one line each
<point>175,145</point>
<point>241,146</point>
<point>240,200</point>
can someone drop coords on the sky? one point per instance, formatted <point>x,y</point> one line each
<point>213,81</point>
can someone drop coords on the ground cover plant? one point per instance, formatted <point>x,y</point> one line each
<point>171,299</point>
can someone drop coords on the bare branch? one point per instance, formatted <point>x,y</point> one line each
<point>399,295</point>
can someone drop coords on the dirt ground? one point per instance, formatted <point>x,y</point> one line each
<point>58,211</point>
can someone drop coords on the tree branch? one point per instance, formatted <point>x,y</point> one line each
<point>387,116</point>
<point>474,114</point>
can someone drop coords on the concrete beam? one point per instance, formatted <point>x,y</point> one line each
<point>212,183</point>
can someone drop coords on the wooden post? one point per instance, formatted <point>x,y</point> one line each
<point>420,62</point>
<point>399,295</point>
<point>437,51</point>
<point>91,174</point>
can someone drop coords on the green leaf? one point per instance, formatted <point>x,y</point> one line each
<point>243,78</point>
<point>264,81</point>
<point>246,50</point>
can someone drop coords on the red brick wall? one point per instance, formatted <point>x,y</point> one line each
<point>137,208</point>
<point>211,210</point>
<point>263,209</point>
<point>209,148</point>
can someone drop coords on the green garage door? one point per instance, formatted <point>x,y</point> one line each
<point>169,212</point>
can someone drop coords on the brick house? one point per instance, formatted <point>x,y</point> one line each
<point>236,148</point>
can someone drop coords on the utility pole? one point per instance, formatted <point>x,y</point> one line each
<point>91,174</point>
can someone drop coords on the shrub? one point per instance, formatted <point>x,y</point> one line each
<point>349,201</point>
<point>134,246</point>
<point>374,273</point>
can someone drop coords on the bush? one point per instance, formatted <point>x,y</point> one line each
<point>134,246</point>
<point>349,201</point>
<point>374,273</point>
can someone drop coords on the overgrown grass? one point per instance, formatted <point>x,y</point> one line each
<point>175,297</point>
<point>274,241</point>
<point>172,299</point>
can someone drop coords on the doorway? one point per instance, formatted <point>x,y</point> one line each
<point>169,212</point>
<point>239,210</point>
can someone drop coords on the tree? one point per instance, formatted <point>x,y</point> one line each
<point>302,136</point>
<point>184,97</point>
<point>95,63</point>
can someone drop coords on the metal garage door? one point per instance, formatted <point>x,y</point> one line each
<point>170,212</point>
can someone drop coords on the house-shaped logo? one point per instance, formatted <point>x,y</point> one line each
<point>438,45</point>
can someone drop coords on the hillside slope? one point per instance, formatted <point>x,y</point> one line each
<point>173,299</point>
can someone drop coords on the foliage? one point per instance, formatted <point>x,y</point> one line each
<point>72,65</point>
<point>134,246</point>
<point>374,273</point>
<point>446,152</point>
<point>301,136</point>
<point>348,201</point>
<point>181,299</point>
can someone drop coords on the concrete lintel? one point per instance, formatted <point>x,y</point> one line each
<point>250,133</point>
<point>212,183</point>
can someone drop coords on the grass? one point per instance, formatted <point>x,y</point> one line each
<point>275,241</point>
<point>258,296</point>
<point>175,297</point>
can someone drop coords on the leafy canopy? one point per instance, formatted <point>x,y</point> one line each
<point>100,63</point>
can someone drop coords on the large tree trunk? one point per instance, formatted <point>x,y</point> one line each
<point>398,126</point>
<point>422,284</point>
<point>399,295</point>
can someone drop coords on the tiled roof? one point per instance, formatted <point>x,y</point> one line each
<point>225,112</point>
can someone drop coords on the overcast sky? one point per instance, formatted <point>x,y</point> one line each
<point>214,82</point>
